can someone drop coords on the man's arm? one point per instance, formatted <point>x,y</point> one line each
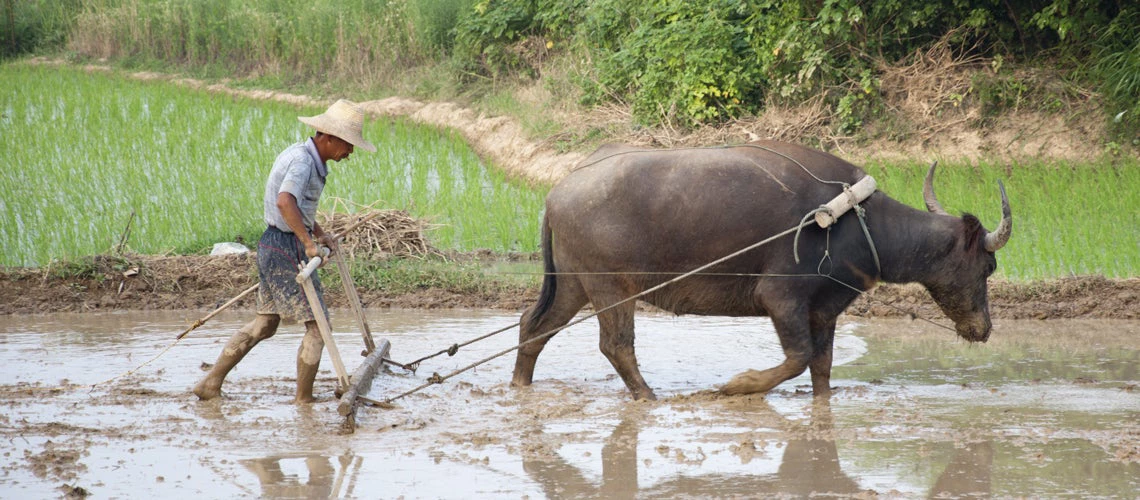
<point>324,238</point>
<point>287,204</point>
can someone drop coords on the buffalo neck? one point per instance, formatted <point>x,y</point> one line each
<point>910,242</point>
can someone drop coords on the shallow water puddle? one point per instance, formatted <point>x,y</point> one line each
<point>1044,409</point>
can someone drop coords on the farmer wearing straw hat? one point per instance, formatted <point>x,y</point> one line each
<point>292,236</point>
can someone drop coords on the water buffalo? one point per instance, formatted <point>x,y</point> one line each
<point>627,220</point>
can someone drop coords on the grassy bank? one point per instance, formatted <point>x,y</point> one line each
<point>191,167</point>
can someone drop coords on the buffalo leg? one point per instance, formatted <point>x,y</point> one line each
<point>616,342</point>
<point>795,338</point>
<point>567,302</point>
<point>823,338</point>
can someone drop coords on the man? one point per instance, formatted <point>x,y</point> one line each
<point>291,238</point>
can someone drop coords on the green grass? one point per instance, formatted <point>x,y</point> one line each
<point>85,150</point>
<point>1067,219</point>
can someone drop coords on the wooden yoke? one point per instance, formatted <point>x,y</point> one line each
<point>850,197</point>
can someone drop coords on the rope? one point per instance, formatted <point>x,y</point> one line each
<point>139,367</point>
<point>124,374</point>
<point>450,351</point>
<point>804,222</point>
<point>862,213</point>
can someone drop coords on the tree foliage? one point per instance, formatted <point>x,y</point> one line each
<point>673,61</point>
<point>700,62</point>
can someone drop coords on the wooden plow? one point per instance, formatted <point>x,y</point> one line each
<point>349,388</point>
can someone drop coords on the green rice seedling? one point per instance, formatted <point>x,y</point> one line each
<point>94,148</point>
<point>1067,219</point>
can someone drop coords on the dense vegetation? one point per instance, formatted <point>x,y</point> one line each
<point>673,62</point>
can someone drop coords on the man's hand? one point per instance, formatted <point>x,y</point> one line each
<point>328,242</point>
<point>311,249</point>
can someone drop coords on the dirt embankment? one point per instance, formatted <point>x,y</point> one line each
<point>203,282</point>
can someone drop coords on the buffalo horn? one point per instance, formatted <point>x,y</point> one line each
<point>928,196</point>
<point>1000,236</point>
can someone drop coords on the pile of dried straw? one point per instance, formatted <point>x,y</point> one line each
<point>389,233</point>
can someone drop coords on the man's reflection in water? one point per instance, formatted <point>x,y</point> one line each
<point>321,478</point>
<point>968,473</point>
<point>810,467</point>
<point>324,480</point>
<point>275,483</point>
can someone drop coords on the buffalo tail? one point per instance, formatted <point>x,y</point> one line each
<point>549,279</point>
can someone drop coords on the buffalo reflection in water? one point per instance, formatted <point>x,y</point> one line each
<point>810,467</point>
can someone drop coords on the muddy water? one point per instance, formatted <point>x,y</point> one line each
<point>1045,409</point>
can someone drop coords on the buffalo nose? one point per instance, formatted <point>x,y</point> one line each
<point>975,332</point>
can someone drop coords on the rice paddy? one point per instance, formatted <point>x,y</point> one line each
<point>84,151</point>
<point>1068,219</point>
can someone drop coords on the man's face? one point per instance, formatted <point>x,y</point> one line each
<point>340,148</point>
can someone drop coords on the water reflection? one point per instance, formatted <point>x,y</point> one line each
<point>305,475</point>
<point>968,475</point>
<point>810,466</point>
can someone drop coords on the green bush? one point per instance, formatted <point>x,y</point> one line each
<point>684,62</point>
<point>1117,66</point>
<point>483,37</point>
<point>688,61</point>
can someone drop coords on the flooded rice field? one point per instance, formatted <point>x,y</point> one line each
<point>1045,409</point>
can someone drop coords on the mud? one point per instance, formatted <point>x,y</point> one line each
<point>1045,409</point>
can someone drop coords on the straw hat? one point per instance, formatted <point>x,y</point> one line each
<point>343,119</point>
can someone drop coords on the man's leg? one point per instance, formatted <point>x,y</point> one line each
<point>261,328</point>
<point>308,360</point>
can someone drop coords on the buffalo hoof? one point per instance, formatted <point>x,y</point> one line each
<point>649,396</point>
<point>749,382</point>
<point>207,391</point>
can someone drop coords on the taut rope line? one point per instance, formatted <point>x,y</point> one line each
<point>453,349</point>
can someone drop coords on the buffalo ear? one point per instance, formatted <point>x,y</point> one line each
<point>973,234</point>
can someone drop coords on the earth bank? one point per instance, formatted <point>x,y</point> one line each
<point>140,282</point>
